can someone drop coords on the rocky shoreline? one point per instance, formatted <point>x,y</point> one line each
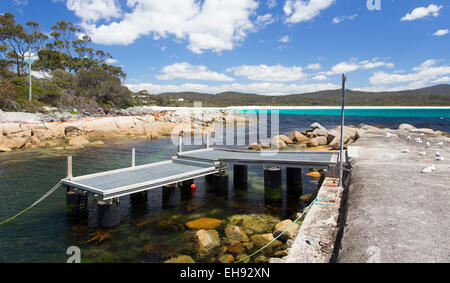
<point>91,131</point>
<point>319,138</point>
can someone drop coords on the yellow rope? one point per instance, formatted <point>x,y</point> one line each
<point>34,204</point>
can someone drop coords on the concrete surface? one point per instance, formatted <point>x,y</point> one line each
<point>395,212</point>
<point>316,238</point>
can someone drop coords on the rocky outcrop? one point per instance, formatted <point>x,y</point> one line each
<point>154,125</point>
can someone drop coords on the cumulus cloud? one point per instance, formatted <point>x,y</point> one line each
<point>441,32</point>
<point>215,25</point>
<point>425,73</point>
<point>260,88</point>
<point>275,73</point>
<point>94,10</point>
<point>421,12</point>
<point>187,71</point>
<point>303,11</point>
<point>346,67</point>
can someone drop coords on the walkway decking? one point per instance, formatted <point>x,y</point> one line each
<point>191,165</point>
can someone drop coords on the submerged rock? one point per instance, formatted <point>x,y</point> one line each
<point>207,241</point>
<point>253,223</point>
<point>181,259</point>
<point>234,233</point>
<point>226,259</point>
<point>283,225</point>
<point>236,248</point>
<point>78,141</point>
<point>204,223</point>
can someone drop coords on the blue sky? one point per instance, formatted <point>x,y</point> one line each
<point>267,47</point>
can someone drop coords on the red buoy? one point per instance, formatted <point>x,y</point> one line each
<point>193,187</point>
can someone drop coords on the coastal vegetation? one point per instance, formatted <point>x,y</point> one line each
<point>67,72</point>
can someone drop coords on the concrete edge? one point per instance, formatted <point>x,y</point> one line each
<point>315,241</point>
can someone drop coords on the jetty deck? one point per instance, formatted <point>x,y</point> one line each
<point>190,165</point>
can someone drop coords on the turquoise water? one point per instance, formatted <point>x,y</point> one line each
<point>367,112</point>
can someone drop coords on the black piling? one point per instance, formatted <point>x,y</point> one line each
<point>171,196</point>
<point>108,213</point>
<point>272,185</point>
<point>77,204</point>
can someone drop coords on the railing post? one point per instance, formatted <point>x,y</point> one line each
<point>133,157</point>
<point>69,168</point>
<point>180,142</point>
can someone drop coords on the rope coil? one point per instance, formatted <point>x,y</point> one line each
<point>34,204</point>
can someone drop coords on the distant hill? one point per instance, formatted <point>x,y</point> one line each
<point>438,95</point>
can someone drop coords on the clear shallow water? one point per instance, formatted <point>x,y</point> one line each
<point>44,233</point>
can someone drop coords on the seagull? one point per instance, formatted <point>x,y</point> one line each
<point>418,140</point>
<point>408,138</point>
<point>440,144</point>
<point>389,135</point>
<point>422,153</point>
<point>421,134</point>
<point>439,158</point>
<point>437,154</point>
<point>429,169</point>
<point>405,150</point>
<point>428,144</point>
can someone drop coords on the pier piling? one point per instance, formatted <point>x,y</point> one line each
<point>171,195</point>
<point>108,213</point>
<point>219,182</point>
<point>272,184</point>
<point>76,203</point>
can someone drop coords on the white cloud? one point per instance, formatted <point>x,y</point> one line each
<point>275,73</point>
<point>215,25</point>
<point>259,88</point>
<point>284,39</point>
<point>320,78</point>
<point>111,61</point>
<point>191,72</point>
<point>346,67</point>
<point>422,12</point>
<point>271,3</point>
<point>427,72</point>
<point>337,20</point>
<point>264,20</point>
<point>441,32</point>
<point>94,10</point>
<point>303,11</point>
<point>314,67</point>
